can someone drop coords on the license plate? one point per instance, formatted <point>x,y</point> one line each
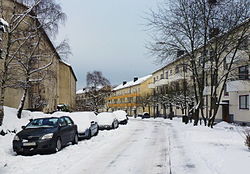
<point>29,144</point>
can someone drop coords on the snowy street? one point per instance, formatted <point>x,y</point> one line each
<point>143,146</point>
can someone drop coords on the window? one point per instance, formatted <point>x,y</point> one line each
<point>184,68</point>
<point>176,69</point>
<point>244,101</point>
<point>162,76</point>
<point>69,121</point>
<point>62,122</point>
<point>170,72</point>
<point>243,72</point>
<point>244,42</point>
<point>225,91</point>
<point>167,75</point>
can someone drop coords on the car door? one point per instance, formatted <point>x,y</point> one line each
<point>63,130</point>
<point>71,128</point>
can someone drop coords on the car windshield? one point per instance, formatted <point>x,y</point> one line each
<point>43,122</point>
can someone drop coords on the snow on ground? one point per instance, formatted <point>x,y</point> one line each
<point>208,151</point>
<point>144,146</point>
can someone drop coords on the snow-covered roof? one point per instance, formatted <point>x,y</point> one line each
<point>4,22</point>
<point>132,83</point>
<point>81,91</point>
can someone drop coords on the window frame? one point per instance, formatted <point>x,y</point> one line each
<point>243,74</point>
<point>246,106</point>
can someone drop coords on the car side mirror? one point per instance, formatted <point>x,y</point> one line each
<point>92,122</point>
<point>23,127</point>
<point>31,120</point>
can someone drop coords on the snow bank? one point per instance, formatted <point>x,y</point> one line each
<point>120,115</point>
<point>201,149</point>
<point>105,118</point>
<point>12,123</point>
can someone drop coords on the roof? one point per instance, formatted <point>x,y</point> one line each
<point>82,91</point>
<point>132,83</point>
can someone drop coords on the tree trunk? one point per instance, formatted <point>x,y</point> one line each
<point>21,105</point>
<point>1,105</point>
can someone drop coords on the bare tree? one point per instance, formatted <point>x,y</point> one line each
<point>29,21</point>
<point>209,32</point>
<point>98,88</point>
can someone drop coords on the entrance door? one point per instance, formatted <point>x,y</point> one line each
<point>225,113</point>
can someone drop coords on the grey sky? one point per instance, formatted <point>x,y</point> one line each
<point>109,36</point>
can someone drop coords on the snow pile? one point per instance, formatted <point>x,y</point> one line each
<point>83,119</point>
<point>120,115</point>
<point>201,149</point>
<point>12,123</point>
<point>105,118</point>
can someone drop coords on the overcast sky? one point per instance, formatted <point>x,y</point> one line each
<point>108,36</point>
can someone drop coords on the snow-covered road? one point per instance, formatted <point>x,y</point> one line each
<point>141,147</point>
<point>150,146</point>
<point>142,150</point>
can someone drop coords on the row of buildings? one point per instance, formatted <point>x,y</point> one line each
<point>58,86</point>
<point>175,81</point>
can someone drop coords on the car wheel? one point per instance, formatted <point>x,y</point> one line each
<point>58,145</point>
<point>75,141</point>
<point>19,153</point>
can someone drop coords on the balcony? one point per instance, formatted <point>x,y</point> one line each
<point>161,82</point>
<point>176,77</point>
<point>238,85</point>
<point>151,86</point>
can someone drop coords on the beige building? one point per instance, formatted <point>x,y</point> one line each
<point>59,81</point>
<point>234,105</point>
<point>128,96</point>
<point>168,80</point>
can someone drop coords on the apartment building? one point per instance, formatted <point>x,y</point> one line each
<point>59,81</point>
<point>168,82</point>
<point>234,104</point>
<point>128,96</point>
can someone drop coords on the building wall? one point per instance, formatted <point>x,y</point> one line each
<point>127,99</point>
<point>54,89</point>
<point>67,86</point>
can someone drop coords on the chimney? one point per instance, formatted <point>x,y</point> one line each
<point>135,79</point>
<point>180,53</point>
<point>212,1</point>
<point>124,83</point>
<point>213,32</point>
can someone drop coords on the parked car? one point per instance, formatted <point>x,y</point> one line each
<point>49,134</point>
<point>121,116</point>
<point>107,120</point>
<point>86,122</point>
<point>145,115</point>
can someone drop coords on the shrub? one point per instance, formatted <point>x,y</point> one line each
<point>247,139</point>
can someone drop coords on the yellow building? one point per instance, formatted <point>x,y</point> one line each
<point>128,96</point>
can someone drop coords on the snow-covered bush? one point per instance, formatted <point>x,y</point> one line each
<point>247,138</point>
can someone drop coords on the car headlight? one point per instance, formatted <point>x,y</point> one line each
<point>47,136</point>
<point>16,138</point>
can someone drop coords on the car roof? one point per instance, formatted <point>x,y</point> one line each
<point>49,117</point>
